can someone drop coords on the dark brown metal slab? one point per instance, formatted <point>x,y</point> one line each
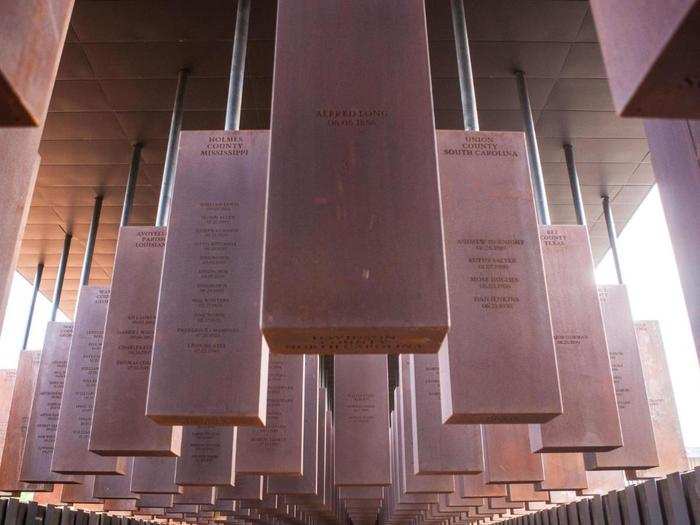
<point>119,424</point>
<point>361,411</point>
<point>247,487</point>
<point>17,422</point>
<point>563,471</point>
<point>208,456</point>
<point>475,486</point>
<point>155,500</point>
<point>115,486</point>
<point>639,450</point>
<point>691,487</point>
<point>507,455</point>
<point>119,505</point>
<point>71,454</point>
<point>41,429</point>
<point>439,448</point>
<point>590,422</point>
<point>7,385</point>
<point>662,404</point>
<point>277,448</point>
<point>526,492</point>
<point>80,492</point>
<point>154,476</point>
<point>501,331</point>
<point>673,502</point>
<point>648,501</point>
<point>412,483</point>
<point>207,325</point>
<point>314,411</point>
<point>349,225</point>
<point>195,496</point>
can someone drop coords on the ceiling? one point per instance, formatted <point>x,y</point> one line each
<point>117,78</point>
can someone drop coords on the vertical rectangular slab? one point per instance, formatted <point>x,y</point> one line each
<point>80,492</point>
<point>18,421</point>
<point>314,411</point>
<point>662,404</point>
<point>208,456</point>
<point>119,424</point>
<point>675,509</point>
<point>526,492</point>
<point>361,410</point>
<point>41,430</point>
<point>439,448</point>
<point>117,486</point>
<point>7,385</point>
<point>71,454</point>
<point>507,455</point>
<point>476,486</point>
<point>277,448</point>
<point>154,476</point>
<point>563,471</point>
<point>155,500</point>
<point>412,483</point>
<point>639,450</point>
<point>195,496</point>
<point>691,487</point>
<point>119,505</point>
<point>207,325</point>
<point>648,500</point>
<point>345,219</point>
<point>600,482</point>
<point>247,487</point>
<point>501,332</point>
<point>590,422</point>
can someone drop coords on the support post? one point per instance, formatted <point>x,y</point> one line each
<point>131,184</point>
<point>575,185</point>
<point>90,245</point>
<point>60,275</point>
<point>32,304</point>
<point>464,66</point>
<point>235,85</point>
<point>612,236</point>
<point>533,150</point>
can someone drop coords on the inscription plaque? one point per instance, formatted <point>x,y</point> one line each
<point>7,384</point>
<point>277,448</point>
<point>664,415</point>
<point>208,456</point>
<point>247,487</point>
<point>439,448</point>
<point>80,492</point>
<point>154,476</point>
<point>361,410</point>
<point>115,486</point>
<point>501,332</point>
<point>639,449</point>
<point>209,308</point>
<point>41,430</point>
<point>313,412</point>
<point>18,421</point>
<point>71,454</point>
<point>563,471</point>
<point>412,483</point>
<point>590,422</point>
<point>507,455</point>
<point>119,424</point>
<point>348,224</point>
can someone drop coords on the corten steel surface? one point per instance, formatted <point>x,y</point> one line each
<point>314,411</point>
<point>476,486</point>
<point>361,417</point>
<point>526,492</point>
<point>439,448</point>
<point>71,454</point>
<point>590,422</point>
<point>80,492</point>
<point>277,448</point>
<point>361,493</point>
<point>603,481</point>
<point>639,449</point>
<point>507,455</point>
<point>454,499</point>
<point>650,52</point>
<point>154,476</point>
<point>17,422</point>
<point>208,456</point>
<point>328,486</point>
<point>41,430</point>
<point>119,505</point>
<point>662,404</point>
<point>353,208</point>
<point>501,331</point>
<point>7,385</point>
<point>563,471</point>
<point>209,307</point>
<point>195,496</point>
<point>119,426</point>
<point>116,486</point>
<point>412,483</point>
<point>33,35</point>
